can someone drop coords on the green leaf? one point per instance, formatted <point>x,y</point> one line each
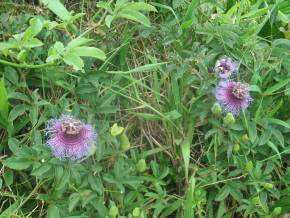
<point>11,210</point>
<point>191,10</point>
<point>17,163</point>
<point>74,60</point>
<point>108,20</point>
<point>221,209</point>
<point>32,43</point>
<point>63,180</point>
<point>57,8</point>
<point>134,16</point>
<point>274,148</point>
<point>185,150</point>
<point>3,99</point>
<point>7,45</point>
<point>53,211</point>
<point>73,201</point>
<point>276,87</point>
<point>17,111</point>
<point>189,200</point>
<point>77,42</point>
<point>252,132</point>
<point>279,136</point>
<point>105,6</point>
<point>144,68</point>
<point>257,13</point>
<point>8,177</point>
<point>277,122</point>
<point>34,28</point>
<point>40,170</point>
<point>141,6</point>
<point>89,52</point>
<point>223,193</point>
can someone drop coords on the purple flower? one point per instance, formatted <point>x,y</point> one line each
<point>225,66</point>
<point>69,138</point>
<point>233,96</point>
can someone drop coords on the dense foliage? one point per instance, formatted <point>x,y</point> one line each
<point>142,74</point>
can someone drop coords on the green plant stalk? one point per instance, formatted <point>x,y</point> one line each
<point>30,66</point>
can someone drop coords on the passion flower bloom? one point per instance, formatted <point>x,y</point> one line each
<point>225,66</point>
<point>234,97</point>
<point>69,138</point>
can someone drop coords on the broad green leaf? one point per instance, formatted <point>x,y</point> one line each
<point>41,170</point>
<point>223,193</point>
<point>32,43</point>
<point>74,60</point>
<point>105,6</point>
<point>53,211</point>
<point>279,136</point>
<point>59,47</point>
<point>11,210</point>
<point>7,45</point>
<point>8,177</point>
<point>73,201</point>
<point>17,163</point>
<point>63,180</point>
<point>252,132</point>
<point>134,16</point>
<point>274,148</point>
<point>3,99</point>
<point>89,52</point>
<point>34,28</point>
<point>77,42</point>
<point>121,4</point>
<point>276,87</point>
<point>57,8</point>
<point>17,111</point>
<point>277,122</point>
<point>141,6</point>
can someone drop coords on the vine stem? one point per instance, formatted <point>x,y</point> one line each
<point>225,180</point>
<point>31,66</point>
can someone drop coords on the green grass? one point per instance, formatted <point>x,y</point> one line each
<point>148,69</point>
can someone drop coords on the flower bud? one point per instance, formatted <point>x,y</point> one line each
<point>92,150</point>
<point>113,212</point>
<point>116,130</point>
<point>268,185</point>
<point>136,212</point>
<point>249,166</point>
<point>124,142</point>
<point>216,109</point>
<point>277,211</point>
<point>141,166</point>
<point>229,119</point>
<point>245,138</point>
<point>22,56</point>
<point>236,148</point>
<point>256,200</point>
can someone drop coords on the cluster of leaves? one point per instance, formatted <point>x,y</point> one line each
<point>141,73</point>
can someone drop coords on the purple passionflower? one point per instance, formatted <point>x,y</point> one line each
<point>225,66</point>
<point>69,138</point>
<point>233,96</point>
